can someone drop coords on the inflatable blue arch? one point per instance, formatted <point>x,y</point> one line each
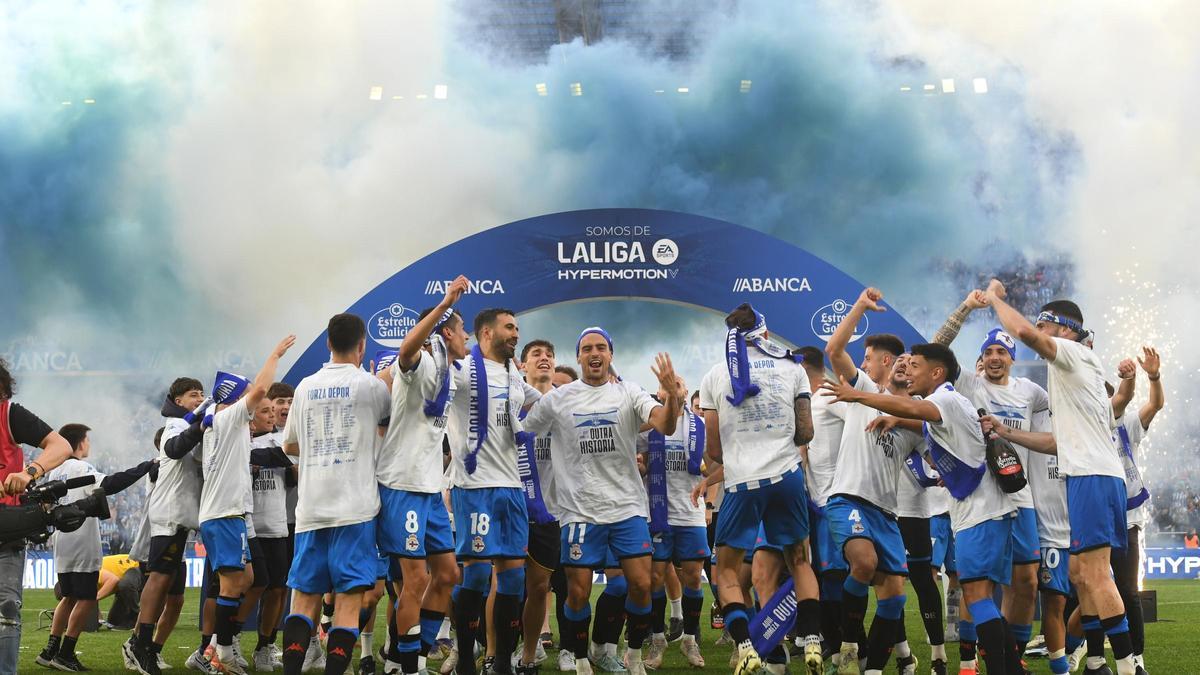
<point>606,254</point>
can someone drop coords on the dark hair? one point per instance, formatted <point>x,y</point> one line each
<point>345,331</point>
<point>488,317</point>
<point>568,371</point>
<point>886,342</point>
<point>695,395</point>
<point>812,356</point>
<point>741,318</point>
<point>158,437</point>
<point>74,434</point>
<point>7,384</point>
<point>536,343</point>
<point>183,385</point>
<point>280,390</point>
<point>428,310</point>
<point>941,355</point>
<point>1064,308</point>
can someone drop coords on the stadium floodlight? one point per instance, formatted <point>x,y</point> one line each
<point>66,103</point>
<point>948,86</point>
<point>376,93</point>
<point>541,89</point>
<point>441,91</point>
<point>906,88</point>
<point>577,89</point>
<point>89,101</point>
<point>397,97</point>
<point>422,97</point>
<point>929,87</point>
<point>745,86</point>
<point>981,85</point>
<point>660,91</point>
<point>683,90</point>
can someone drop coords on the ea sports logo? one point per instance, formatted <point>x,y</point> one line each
<point>665,252</point>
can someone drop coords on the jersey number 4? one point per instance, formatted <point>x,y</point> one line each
<point>854,517</point>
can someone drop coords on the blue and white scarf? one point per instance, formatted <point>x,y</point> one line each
<point>737,361</point>
<point>772,623</point>
<point>656,467</point>
<point>959,477</point>
<point>1136,493</point>
<point>384,358</point>
<point>924,475</point>
<point>227,389</point>
<point>480,408</point>
<point>441,361</point>
<point>531,484</point>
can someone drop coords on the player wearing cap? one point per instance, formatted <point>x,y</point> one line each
<point>980,512</point>
<point>1020,404</point>
<point>1083,428</point>
<point>413,526</point>
<point>862,504</point>
<point>333,430</point>
<point>491,522</point>
<point>756,412</point>
<point>594,422</point>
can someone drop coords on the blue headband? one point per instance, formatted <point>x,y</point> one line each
<point>589,331</point>
<point>997,336</point>
<point>1051,317</point>
<point>228,387</point>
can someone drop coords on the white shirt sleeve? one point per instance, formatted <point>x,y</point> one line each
<point>803,386</point>
<point>541,415</point>
<point>1133,426</point>
<point>642,402</point>
<point>708,398</point>
<point>1067,353</point>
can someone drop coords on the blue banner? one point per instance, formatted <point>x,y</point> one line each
<point>620,253</point>
<point>1172,563</point>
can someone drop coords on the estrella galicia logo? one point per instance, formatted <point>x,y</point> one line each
<point>665,252</point>
<point>826,319</point>
<point>389,325</point>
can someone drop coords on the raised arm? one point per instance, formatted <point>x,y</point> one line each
<point>954,323</point>
<point>899,406</point>
<point>266,374</point>
<point>410,347</point>
<point>1127,371</point>
<point>835,349</point>
<point>1150,362</point>
<point>1018,326</point>
<point>664,417</point>
<point>116,482</point>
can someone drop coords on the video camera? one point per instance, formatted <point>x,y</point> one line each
<point>33,519</point>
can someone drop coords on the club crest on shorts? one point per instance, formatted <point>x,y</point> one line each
<point>411,544</point>
<point>477,544</point>
<point>576,552</point>
<point>1044,575</point>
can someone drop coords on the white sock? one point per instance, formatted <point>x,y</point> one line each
<point>874,672</point>
<point>1094,662</point>
<point>969,665</point>
<point>658,636</point>
<point>938,652</point>
<point>1126,666</point>
<point>902,650</point>
<point>368,642</point>
<point>677,608</point>
<point>444,631</point>
<point>851,645</point>
<point>610,648</point>
<point>421,660</point>
<point>225,652</point>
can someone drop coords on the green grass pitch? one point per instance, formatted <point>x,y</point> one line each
<point>1169,642</point>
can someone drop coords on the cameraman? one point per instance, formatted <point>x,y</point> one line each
<point>19,426</point>
<point>77,554</point>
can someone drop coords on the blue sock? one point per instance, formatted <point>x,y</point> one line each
<point>855,587</point>
<point>1059,665</point>
<point>1073,643</point>
<point>1021,632</point>
<point>966,631</point>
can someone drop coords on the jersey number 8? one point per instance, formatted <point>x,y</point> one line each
<point>411,524</point>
